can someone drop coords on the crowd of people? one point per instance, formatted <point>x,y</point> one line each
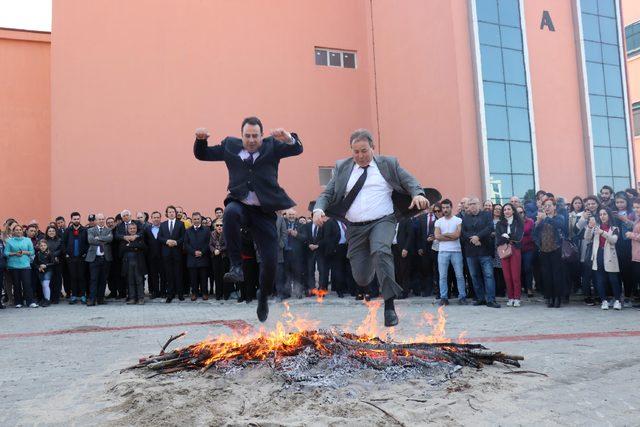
<point>475,252</point>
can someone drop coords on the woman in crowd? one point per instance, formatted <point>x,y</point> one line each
<point>497,262</point>
<point>574,270</point>
<point>623,218</point>
<point>527,251</point>
<point>134,266</point>
<point>632,193</point>
<point>634,236</point>
<point>219,261</point>
<point>44,262</point>
<point>591,205</point>
<point>604,235</point>
<point>19,250</point>
<point>547,233</point>
<point>509,231</point>
<point>3,267</point>
<point>54,243</point>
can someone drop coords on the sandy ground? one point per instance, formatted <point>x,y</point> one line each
<point>58,377</point>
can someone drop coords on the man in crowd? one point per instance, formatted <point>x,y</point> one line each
<point>402,248</point>
<point>156,277</point>
<point>477,226</point>
<point>293,255</point>
<point>196,245</point>
<point>122,234</point>
<point>171,237</point>
<point>75,247</point>
<point>447,231</point>
<point>361,192</point>
<point>254,195</point>
<point>606,194</point>
<point>219,212</point>
<point>98,257</point>
<point>426,237</point>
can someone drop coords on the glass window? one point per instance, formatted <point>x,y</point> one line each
<point>348,60</point>
<point>519,124</point>
<point>491,58</point>
<point>602,157</point>
<point>513,67</point>
<point>620,162</point>
<point>632,34</point>
<point>589,6</point>
<point>496,118</point>
<point>636,119</point>
<point>494,93</point>
<point>590,27</point>
<point>511,38</point>
<point>521,157</point>
<point>517,96</point>
<point>612,80</point>
<point>600,131</point>
<point>596,78</point>
<point>487,10</point>
<point>618,132</point>
<point>321,57</point>
<point>610,54</point>
<point>608,30</point>
<point>598,105</point>
<point>592,51</point>
<point>522,184</point>
<point>615,107</point>
<point>509,11</point>
<point>335,59</point>
<point>621,182</point>
<point>489,33</point>
<point>607,8</point>
<point>499,155</point>
<point>502,182</point>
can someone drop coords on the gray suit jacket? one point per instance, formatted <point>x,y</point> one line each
<point>105,237</point>
<point>405,186</point>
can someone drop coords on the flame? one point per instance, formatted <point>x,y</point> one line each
<point>369,326</point>
<point>319,293</point>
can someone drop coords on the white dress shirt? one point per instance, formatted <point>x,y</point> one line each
<point>251,199</point>
<point>172,224</point>
<point>99,248</point>
<point>374,199</point>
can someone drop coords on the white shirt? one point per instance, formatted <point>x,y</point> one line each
<point>448,226</point>
<point>171,224</point>
<point>99,249</point>
<point>251,199</point>
<point>374,200</point>
<point>343,234</point>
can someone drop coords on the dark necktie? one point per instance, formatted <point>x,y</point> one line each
<point>249,160</point>
<point>343,207</point>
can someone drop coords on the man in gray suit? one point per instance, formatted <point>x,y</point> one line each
<point>369,193</point>
<point>99,257</point>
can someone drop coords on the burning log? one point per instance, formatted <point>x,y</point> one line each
<point>314,345</point>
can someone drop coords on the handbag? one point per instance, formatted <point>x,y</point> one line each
<point>504,250</point>
<point>569,251</point>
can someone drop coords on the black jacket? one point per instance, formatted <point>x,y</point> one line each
<point>121,230</point>
<point>55,246</point>
<point>261,177</point>
<point>154,247</point>
<point>83,243</point>
<point>426,229</point>
<point>177,235</point>
<point>515,237</point>
<point>480,225</point>
<point>406,237</point>
<point>330,237</point>
<point>138,247</point>
<point>197,240</point>
<point>297,244</point>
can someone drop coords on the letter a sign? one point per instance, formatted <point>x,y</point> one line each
<point>546,20</point>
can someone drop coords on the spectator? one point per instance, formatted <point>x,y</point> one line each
<point>196,245</point>
<point>54,243</point>
<point>425,242</point>
<point>219,261</point>
<point>133,263</point>
<point>402,247</point>
<point>219,213</point>
<point>547,234</point>
<point>509,231</point>
<point>574,269</point>
<point>478,247</point>
<point>3,267</point>
<point>498,276</point>
<point>590,211</point>
<point>634,236</point>
<point>604,236</point>
<point>527,251</point>
<point>447,231</point>
<point>75,248</point>
<point>623,218</point>
<point>98,257</point>
<point>171,236</point>
<point>632,193</point>
<point>19,250</point>
<point>44,262</point>
<point>156,277</point>
<point>606,194</point>
<point>487,206</point>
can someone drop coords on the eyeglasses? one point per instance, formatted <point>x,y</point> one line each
<point>218,225</point>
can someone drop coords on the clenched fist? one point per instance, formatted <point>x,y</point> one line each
<point>202,133</point>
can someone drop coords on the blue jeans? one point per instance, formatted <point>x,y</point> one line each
<point>481,271</point>
<point>443,267</point>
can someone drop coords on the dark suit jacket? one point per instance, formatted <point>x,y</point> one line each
<point>177,235</point>
<point>197,240</point>
<point>154,247</point>
<point>122,231</point>
<point>298,243</point>
<point>262,176</point>
<point>330,237</point>
<point>137,247</point>
<point>427,228</point>
<point>406,236</point>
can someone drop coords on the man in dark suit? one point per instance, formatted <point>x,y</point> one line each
<point>98,257</point>
<point>75,249</point>
<point>294,249</point>
<point>314,256</point>
<point>328,248</point>
<point>402,249</point>
<point>196,245</point>
<point>122,234</point>
<point>171,237</point>
<point>254,195</point>
<point>424,242</point>
<point>156,277</point>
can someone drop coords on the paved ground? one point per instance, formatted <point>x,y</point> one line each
<point>67,356</point>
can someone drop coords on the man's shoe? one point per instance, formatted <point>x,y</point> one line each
<point>91,303</point>
<point>479,302</point>
<point>390,318</point>
<point>241,299</point>
<point>130,301</point>
<point>73,300</point>
<point>403,295</point>
<point>589,301</point>
<point>359,297</point>
<point>340,295</point>
<point>101,302</point>
<point>462,301</point>
<point>205,297</point>
<point>550,303</point>
<point>493,304</point>
<point>181,297</point>
<point>234,275</point>
<point>168,300</point>
<point>263,307</point>
<point>557,302</point>
<point>140,301</point>
<point>443,302</point>
<point>194,297</point>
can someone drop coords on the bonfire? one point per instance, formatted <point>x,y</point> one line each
<point>300,351</point>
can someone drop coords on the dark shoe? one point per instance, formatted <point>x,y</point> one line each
<point>225,297</point>
<point>589,301</point>
<point>73,300</point>
<point>493,304</point>
<point>234,275</point>
<point>181,297</point>
<point>359,297</point>
<point>241,299</point>
<point>367,297</point>
<point>101,302</point>
<point>463,301</point>
<point>403,295</point>
<point>557,302</point>
<point>479,302</point>
<point>390,318</point>
<point>263,307</point>
<point>443,302</point>
<point>193,297</point>
<point>219,297</point>
<point>340,295</point>
<point>205,297</point>
<point>168,300</point>
<point>130,302</point>
<point>549,303</point>
<point>140,301</point>
<point>90,303</point>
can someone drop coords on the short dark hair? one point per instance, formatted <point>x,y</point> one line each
<point>156,212</point>
<point>591,197</point>
<point>32,226</point>
<point>218,209</point>
<point>632,191</point>
<point>446,202</point>
<point>636,201</point>
<point>74,214</point>
<point>540,193</point>
<point>253,121</point>
<point>361,135</point>
<point>110,217</point>
<point>607,187</point>
<point>196,213</point>
<point>166,211</point>
<point>118,217</point>
<point>59,218</point>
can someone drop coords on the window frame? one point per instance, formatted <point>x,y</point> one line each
<point>340,53</point>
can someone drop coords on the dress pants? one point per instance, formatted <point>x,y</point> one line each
<point>173,273</point>
<point>98,272</point>
<point>156,277</point>
<point>339,269</point>
<point>263,231</point>
<point>292,272</point>
<point>551,270</point>
<point>370,255</point>
<point>199,279</point>
<point>219,266</point>
<point>402,267</point>
<point>78,285</point>
<point>427,271</point>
